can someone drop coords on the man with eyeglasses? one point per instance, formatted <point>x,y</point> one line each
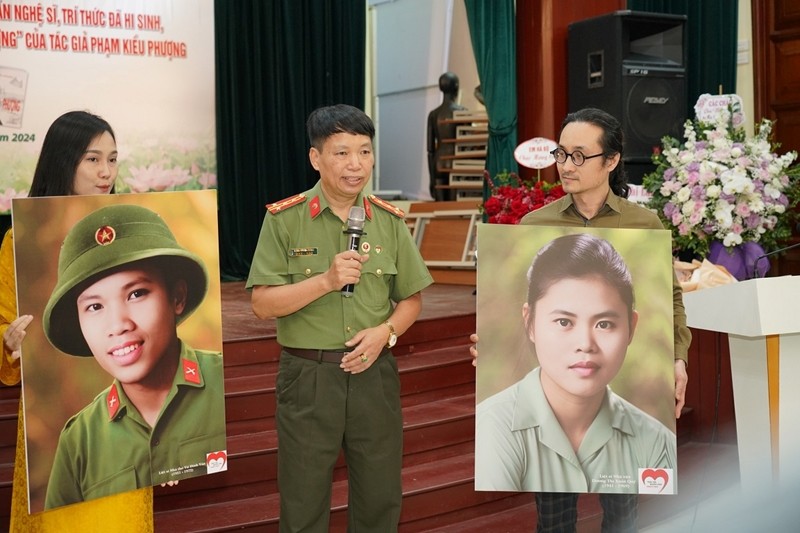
<point>589,161</point>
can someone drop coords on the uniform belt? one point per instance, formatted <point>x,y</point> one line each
<point>323,356</point>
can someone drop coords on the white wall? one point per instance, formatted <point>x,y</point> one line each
<point>412,43</point>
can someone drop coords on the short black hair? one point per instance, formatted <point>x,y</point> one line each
<point>340,118</point>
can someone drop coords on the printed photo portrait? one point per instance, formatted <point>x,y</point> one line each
<point>122,369</point>
<point>575,379</point>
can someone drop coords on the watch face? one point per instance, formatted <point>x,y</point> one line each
<point>392,340</point>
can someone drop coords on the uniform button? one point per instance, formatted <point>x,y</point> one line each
<point>155,442</point>
<point>349,329</point>
<point>379,272</point>
<point>308,271</point>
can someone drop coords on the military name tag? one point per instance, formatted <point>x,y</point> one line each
<point>296,252</point>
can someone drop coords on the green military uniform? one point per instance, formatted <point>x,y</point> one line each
<point>108,447</point>
<point>320,408</point>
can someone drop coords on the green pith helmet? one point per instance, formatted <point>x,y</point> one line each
<point>106,239</point>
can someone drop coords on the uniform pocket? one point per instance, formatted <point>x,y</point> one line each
<point>122,481</point>
<point>377,276</point>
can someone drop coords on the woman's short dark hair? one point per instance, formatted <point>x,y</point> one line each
<point>340,118</point>
<point>575,257</point>
<point>64,145</point>
<point>611,143</point>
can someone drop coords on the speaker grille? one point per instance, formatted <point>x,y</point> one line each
<point>654,107</point>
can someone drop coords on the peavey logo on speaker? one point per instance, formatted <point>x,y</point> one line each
<point>660,100</point>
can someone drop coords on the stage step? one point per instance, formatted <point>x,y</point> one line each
<point>437,395</point>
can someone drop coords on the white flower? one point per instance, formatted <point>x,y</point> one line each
<point>712,191</point>
<point>732,239</point>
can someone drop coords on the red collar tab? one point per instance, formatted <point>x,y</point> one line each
<point>367,209</point>
<point>191,372</point>
<point>112,402</point>
<point>314,208</point>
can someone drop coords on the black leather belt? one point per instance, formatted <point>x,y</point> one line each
<point>324,356</point>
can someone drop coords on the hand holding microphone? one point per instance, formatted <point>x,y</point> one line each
<point>354,231</point>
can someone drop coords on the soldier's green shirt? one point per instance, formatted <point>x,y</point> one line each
<point>301,241</point>
<point>109,448</point>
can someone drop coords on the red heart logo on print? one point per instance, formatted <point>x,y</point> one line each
<point>216,461</point>
<point>657,476</point>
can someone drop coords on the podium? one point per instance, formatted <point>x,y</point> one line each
<point>762,321</point>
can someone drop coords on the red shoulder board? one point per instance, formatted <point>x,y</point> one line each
<point>277,207</point>
<point>383,204</point>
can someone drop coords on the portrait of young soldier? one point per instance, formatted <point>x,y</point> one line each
<point>124,285</point>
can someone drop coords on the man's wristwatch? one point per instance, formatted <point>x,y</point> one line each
<point>392,335</point>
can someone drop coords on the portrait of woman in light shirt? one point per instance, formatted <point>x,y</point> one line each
<point>561,428</point>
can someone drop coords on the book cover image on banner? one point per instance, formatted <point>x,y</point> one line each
<point>122,365</point>
<point>145,67</point>
<point>575,379</point>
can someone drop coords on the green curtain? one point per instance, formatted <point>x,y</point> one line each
<point>711,40</point>
<point>276,60</point>
<point>493,35</point>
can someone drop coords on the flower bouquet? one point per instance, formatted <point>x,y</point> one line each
<point>722,192</point>
<point>512,197</point>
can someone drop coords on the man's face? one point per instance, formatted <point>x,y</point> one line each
<point>97,169</point>
<point>344,165</point>
<point>581,331</point>
<point>128,319</point>
<point>592,176</point>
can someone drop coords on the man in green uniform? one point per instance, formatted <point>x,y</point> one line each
<point>124,284</point>
<point>337,385</point>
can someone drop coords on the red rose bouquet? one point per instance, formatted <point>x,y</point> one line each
<point>512,197</point>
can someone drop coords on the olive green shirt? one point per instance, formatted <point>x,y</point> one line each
<point>301,241</point>
<point>109,448</point>
<point>520,444</point>
<point>618,213</point>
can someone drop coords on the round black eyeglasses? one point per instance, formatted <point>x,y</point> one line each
<point>578,159</point>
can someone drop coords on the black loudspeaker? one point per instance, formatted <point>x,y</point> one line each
<point>633,65</point>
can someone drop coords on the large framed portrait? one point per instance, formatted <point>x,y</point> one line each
<point>122,369</point>
<point>575,380</point>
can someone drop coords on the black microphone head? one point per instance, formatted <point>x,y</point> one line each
<point>355,219</point>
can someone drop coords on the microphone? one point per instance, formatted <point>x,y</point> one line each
<point>773,252</point>
<point>355,229</point>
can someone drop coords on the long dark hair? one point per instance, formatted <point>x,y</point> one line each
<point>63,147</point>
<point>611,143</point>
<point>580,255</point>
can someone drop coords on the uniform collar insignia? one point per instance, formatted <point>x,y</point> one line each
<point>314,208</point>
<point>112,401</point>
<point>191,372</point>
<point>367,209</point>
